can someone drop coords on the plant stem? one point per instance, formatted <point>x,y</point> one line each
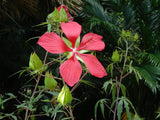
<point>118,91</point>
<point>120,79</point>
<point>39,77</point>
<point>71,113</point>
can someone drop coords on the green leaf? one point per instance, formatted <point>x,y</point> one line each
<point>102,108</point>
<point>127,110</point>
<point>11,115</point>
<point>88,83</point>
<point>106,84</point>
<point>123,88</point>
<point>110,68</point>
<point>64,96</point>
<point>114,90</point>
<point>119,109</point>
<point>101,104</point>
<point>49,81</point>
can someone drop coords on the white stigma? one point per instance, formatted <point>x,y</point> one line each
<point>74,50</point>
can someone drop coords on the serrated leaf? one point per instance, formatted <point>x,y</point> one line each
<point>114,90</point>
<point>120,109</point>
<point>123,88</point>
<point>101,104</point>
<point>127,110</point>
<point>110,68</point>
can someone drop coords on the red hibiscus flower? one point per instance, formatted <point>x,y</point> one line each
<point>71,69</point>
<point>70,18</point>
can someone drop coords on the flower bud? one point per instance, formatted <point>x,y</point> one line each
<point>64,96</point>
<point>49,81</point>
<point>115,56</point>
<point>35,63</point>
<point>58,16</point>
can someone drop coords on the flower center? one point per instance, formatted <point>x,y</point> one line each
<point>74,50</point>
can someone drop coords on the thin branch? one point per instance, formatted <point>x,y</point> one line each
<point>109,108</point>
<point>125,75</point>
<point>79,82</point>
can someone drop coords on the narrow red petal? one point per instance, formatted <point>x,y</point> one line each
<point>92,41</point>
<point>93,65</point>
<point>71,71</point>
<point>72,30</point>
<point>52,43</point>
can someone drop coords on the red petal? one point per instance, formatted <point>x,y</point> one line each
<point>72,30</point>
<point>92,41</point>
<point>93,65</point>
<point>71,71</point>
<point>52,43</point>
